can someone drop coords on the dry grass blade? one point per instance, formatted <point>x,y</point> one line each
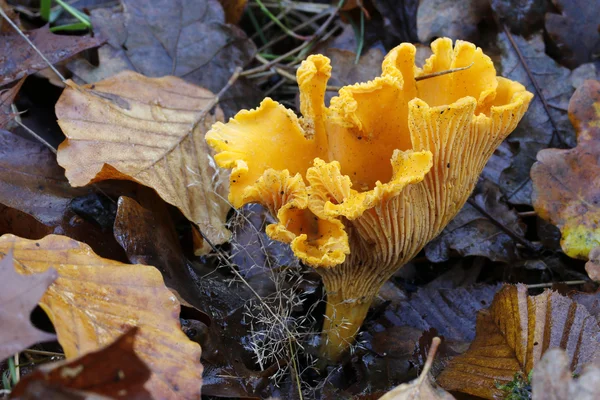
<point>95,300</point>
<point>148,130</point>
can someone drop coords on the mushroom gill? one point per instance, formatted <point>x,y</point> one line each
<point>361,186</point>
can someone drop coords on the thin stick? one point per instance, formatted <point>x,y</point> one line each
<point>33,46</point>
<point>526,214</point>
<point>43,353</point>
<point>36,136</point>
<point>535,85</point>
<point>546,285</point>
<point>234,77</point>
<point>440,73</point>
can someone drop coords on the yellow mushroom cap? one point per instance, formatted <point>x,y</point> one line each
<point>384,168</point>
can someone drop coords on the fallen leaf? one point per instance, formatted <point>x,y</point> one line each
<point>457,21</point>
<point>472,233</point>
<point>566,191</point>
<point>422,388</point>
<point>95,300</point>
<point>114,371</point>
<point>592,267</point>
<point>19,294</point>
<point>521,16</point>
<point>575,30</point>
<point>400,21</point>
<point>553,380</point>
<point>234,9</point>
<point>513,335</point>
<point>19,59</point>
<point>151,131</point>
<point>536,131</point>
<point>14,17</point>
<point>174,37</point>
<point>150,238</point>
<point>7,96</point>
<point>452,312</point>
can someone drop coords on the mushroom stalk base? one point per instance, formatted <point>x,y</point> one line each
<point>343,319</point>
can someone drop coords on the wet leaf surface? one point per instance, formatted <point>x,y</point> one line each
<point>94,300</point>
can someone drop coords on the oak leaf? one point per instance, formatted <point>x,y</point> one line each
<point>19,294</point>
<point>148,130</point>
<point>95,300</point>
<point>566,189</point>
<point>114,371</point>
<point>513,335</point>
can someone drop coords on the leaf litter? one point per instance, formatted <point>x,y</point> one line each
<point>253,308</point>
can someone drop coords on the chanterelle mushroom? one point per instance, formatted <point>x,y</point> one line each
<point>358,188</point>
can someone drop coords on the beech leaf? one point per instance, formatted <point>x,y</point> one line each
<point>513,335</point>
<point>148,130</point>
<point>19,294</point>
<point>95,300</point>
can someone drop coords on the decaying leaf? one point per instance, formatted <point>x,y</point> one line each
<point>513,335</point>
<point>148,130</point>
<point>422,388</point>
<point>536,130</point>
<point>575,30</point>
<point>472,233</point>
<point>95,300</point>
<point>19,58</point>
<point>452,312</point>
<point>7,96</point>
<point>592,267</point>
<point>19,294</point>
<point>458,20</point>
<point>566,188</point>
<point>553,379</point>
<point>114,371</point>
<point>521,16</point>
<point>173,37</point>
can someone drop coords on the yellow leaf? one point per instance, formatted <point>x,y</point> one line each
<point>148,130</point>
<point>94,300</point>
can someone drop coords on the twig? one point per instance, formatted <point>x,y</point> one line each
<point>535,85</point>
<point>33,46</point>
<point>526,214</point>
<point>549,284</point>
<point>36,136</point>
<point>440,73</point>
<point>232,79</point>
<point>279,23</point>
<point>43,353</point>
<point>504,228</point>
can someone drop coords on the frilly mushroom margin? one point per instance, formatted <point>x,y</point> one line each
<point>321,175</point>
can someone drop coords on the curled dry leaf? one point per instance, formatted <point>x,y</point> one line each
<point>513,335</point>
<point>20,59</point>
<point>114,371</point>
<point>553,379</point>
<point>19,294</point>
<point>95,300</point>
<point>566,188</point>
<point>421,388</point>
<point>148,130</point>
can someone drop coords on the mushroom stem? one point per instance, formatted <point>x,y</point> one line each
<point>343,318</point>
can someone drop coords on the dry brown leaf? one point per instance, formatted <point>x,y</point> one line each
<point>114,371</point>
<point>553,379</point>
<point>234,9</point>
<point>95,300</point>
<point>421,388</point>
<point>7,96</point>
<point>148,130</point>
<point>514,333</point>
<point>19,295</point>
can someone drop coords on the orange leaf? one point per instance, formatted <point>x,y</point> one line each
<point>513,335</point>
<point>566,188</point>
<point>95,300</point>
<point>233,10</point>
<point>148,130</point>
